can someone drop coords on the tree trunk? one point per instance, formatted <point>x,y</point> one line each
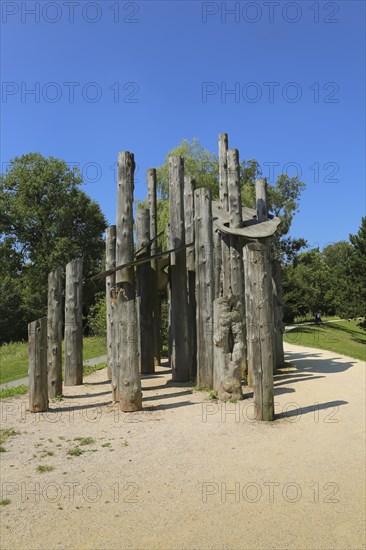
<point>152,200</point>
<point>189,187</point>
<point>259,303</point>
<point>110,263</point>
<point>54,333</point>
<point>74,323</point>
<point>129,386</point>
<point>217,247</point>
<point>180,356</point>
<point>236,243</point>
<point>145,290</point>
<point>205,291</point>
<point>261,199</point>
<point>37,365</point>
<point>228,348</point>
<point>224,201</point>
<point>278,312</point>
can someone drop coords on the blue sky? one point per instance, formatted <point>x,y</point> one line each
<point>141,76</point>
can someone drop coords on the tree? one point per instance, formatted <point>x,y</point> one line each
<point>358,269</point>
<point>203,166</point>
<point>46,221</point>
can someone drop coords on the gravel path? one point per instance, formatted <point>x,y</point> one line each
<point>188,472</point>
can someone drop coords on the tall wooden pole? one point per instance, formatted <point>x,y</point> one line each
<point>145,289</point>
<point>130,396</point>
<point>224,202</point>
<point>278,312</point>
<point>259,313</point>
<point>189,209</point>
<point>236,244</point>
<point>110,263</point>
<point>37,365</point>
<point>74,323</point>
<point>261,199</point>
<point>54,333</point>
<point>205,291</point>
<point>152,200</point>
<point>180,352</point>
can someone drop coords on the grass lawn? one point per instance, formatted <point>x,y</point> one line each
<point>343,337</point>
<point>14,357</point>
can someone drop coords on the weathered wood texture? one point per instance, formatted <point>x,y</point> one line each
<point>261,199</point>
<point>116,364</point>
<point>110,263</point>
<point>37,365</point>
<point>179,331</point>
<point>228,348</point>
<point>145,290</point>
<point>217,251</point>
<point>277,286</point>
<point>225,273</point>
<point>259,303</point>
<point>152,201</point>
<point>54,333</point>
<point>189,209</point>
<point>205,291</point>
<point>129,386</point>
<point>74,323</point>
<point>236,243</point>
<point>124,223</point>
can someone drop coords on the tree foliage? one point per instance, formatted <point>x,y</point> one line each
<point>203,166</point>
<point>46,221</point>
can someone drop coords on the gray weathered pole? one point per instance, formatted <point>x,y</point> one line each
<point>228,348</point>
<point>37,365</point>
<point>145,290</point>
<point>259,314</point>
<point>236,243</point>
<point>152,201</point>
<point>205,292</point>
<point>180,345</point>
<point>54,333</point>
<point>189,209</point>
<point>110,263</point>
<point>74,323</point>
<point>261,199</point>
<point>224,203</point>
<point>129,387</point>
<point>278,312</point>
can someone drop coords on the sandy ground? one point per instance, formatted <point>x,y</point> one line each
<point>191,473</point>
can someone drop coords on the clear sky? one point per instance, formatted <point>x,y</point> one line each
<point>109,76</point>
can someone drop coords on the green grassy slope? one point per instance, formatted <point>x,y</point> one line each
<point>14,357</point>
<point>343,337</point>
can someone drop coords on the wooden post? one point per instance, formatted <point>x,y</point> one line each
<point>278,312</point>
<point>217,246</point>
<point>110,263</point>
<point>236,243</point>
<point>205,291</point>
<point>189,188</point>
<point>74,323</point>
<point>54,333</point>
<point>115,357</point>
<point>228,348</point>
<point>145,290</point>
<point>152,200</point>
<point>259,303</point>
<point>180,353</point>
<point>261,199</point>
<point>129,386</point>
<point>224,202</point>
<point>37,365</point>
